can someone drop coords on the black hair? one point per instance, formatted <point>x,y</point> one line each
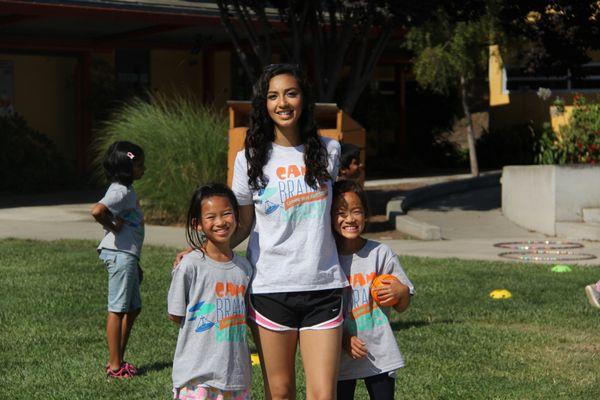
<point>118,161</point>
<point>345,186</point>
<point>261,133</point>
<point>194,237</point>
<point>348,153</point>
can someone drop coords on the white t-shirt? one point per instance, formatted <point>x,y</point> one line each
<point>211,346</point>
<point>364,318</point>
<point>291,246</point>
<point>122,202</point>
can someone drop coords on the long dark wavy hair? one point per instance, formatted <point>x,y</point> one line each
<point>261,131</point>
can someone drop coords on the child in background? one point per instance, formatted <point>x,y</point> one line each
<point>370,349</point>
<point>207,300</point>
<point>593,294</point>
<point>120,214</point>
<point>350,166</point>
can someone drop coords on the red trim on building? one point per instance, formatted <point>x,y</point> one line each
<point>110,11</point>
<point>83,110</point>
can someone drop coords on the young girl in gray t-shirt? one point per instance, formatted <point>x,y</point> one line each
<point>369,351</point>
<point>120,215</point>
<point>207,300</point>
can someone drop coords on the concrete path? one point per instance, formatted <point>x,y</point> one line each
<point>471,224</point>
<point>72,221</point>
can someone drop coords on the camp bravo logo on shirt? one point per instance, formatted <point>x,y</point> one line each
<point>365,314</point>
<point>226,317</point>
<point>291,197</point>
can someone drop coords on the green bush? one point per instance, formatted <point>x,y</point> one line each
<point>185,146</point>
<point>29,160</point>
<point>576,143</point>
<point>547,149</point>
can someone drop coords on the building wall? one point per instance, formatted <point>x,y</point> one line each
<point>44,94</point>
<point>44,87</point>
<point>524,106</point>
<point>222,78</point>
<point>173,71</point>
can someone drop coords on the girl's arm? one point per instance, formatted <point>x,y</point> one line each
<point>105,218</point>
<point>244,225</point>
<point>176,318</point>
<point>404,300</point>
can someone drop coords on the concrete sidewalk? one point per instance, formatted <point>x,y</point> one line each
<point>73,221</point>
<point>471,224</point>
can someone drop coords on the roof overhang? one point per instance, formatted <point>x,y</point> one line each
<point>87,25</point>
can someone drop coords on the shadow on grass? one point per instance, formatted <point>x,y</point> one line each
<point>398,325</point>
<point>155,367</point>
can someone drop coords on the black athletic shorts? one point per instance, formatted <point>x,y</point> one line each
<point>316,309</point>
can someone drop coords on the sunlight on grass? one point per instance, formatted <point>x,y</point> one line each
<point>458,343</point>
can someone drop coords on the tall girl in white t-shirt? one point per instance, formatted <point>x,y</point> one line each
<point>283,181</point>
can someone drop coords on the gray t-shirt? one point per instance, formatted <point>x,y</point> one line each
<point>291,245</point>
<point>122,202</point>
<point>211,346</point>
<point>364,318</point>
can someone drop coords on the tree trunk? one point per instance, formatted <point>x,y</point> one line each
<point>470,133</point>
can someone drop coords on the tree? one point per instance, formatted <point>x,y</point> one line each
<point>340,32</point>
<point>451,47</point>
<point>450,52</point>
<point>554,35</point>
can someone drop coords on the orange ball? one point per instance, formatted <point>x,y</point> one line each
<point>377,283</point>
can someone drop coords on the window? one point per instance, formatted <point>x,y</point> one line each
<point>588,80</point>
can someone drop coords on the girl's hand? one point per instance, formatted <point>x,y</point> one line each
<point>180,256</point>
<point>117,224</point>
<point>354,347</point>
<point>393,291</point>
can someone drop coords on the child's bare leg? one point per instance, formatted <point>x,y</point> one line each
<point>126,325</point>
<point>113,338</point>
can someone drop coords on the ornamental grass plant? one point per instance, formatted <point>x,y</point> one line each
<point>185,145</point>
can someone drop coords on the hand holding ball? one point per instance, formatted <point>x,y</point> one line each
<point>377,283</point>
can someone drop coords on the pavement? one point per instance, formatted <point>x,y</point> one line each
<point>471,223</point>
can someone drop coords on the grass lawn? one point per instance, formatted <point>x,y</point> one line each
<point>458,343</point>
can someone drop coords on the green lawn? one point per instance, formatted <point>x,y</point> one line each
<point>458,343</point>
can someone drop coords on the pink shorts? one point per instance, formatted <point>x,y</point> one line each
<point>198,392</point>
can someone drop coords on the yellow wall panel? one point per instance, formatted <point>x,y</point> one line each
<point>176,72</point>
<point>44,94</point>
<point>222,78</point>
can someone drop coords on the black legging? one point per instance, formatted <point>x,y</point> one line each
<point>380,387</point>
